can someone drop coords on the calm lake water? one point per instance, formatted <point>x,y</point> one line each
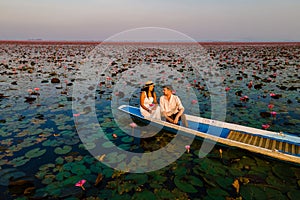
<point>43,156</point>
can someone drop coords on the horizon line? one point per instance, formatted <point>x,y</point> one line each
<point>144,42</point>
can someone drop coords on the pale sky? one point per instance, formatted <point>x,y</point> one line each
<point>202,20</point>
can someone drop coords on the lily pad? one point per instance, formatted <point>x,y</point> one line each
<point>9,173</point>
<point>145,195</point>
<point>253,192</point>
<point>127,139</point>
<point>64,150</point>
<point>139,179</point>
<point>59,160</point>
<point>183,183</point>
<point>216,193</point>
<point>281,172</point>
<point>34,153</point>
<point>295,194</point>
<point>19,161</point>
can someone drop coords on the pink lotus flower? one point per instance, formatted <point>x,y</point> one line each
<point>227,89</point>
<point>194,101</point>
<point>76,114</point>
<point>187,147</point>
<point>273,113</point>
<point>81,183</point>
<point>29,91</point>
<point>151,104</point>
<point>272,94</point>
<point>271,106</point>
<point>36,89</point>
<point>244,98</point>
<point>265,126</point>
<point>132,125</point>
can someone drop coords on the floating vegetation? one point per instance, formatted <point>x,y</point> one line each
<point>42,156</point>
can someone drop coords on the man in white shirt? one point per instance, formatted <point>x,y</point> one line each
<point>171,107</point>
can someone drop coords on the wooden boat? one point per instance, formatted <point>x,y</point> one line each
<point>277,145</point>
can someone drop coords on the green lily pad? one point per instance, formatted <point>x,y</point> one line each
<point>108,144</point>
<point>224,182</point>
<point>59,160</point>
<point>216,193</point>
<point>145,195</point>
<point>281,172</point>
<point>182,182</point>
<point>47,181</point>
<point>64,150</point>
<point>253,192</point>
<point>7,174</point>
<point>139,179</point>
<point>295,194</point>
<point>62,175</point>
<point>127,139</point>
<point>274,194</point>
<point>19,161</point>
<point>52,143</point>
<point>164,194</point>
<point>34,153</point>
<point>46,166</point>
<point>78,169</point>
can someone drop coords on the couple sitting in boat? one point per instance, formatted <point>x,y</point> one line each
<point>170,105</point>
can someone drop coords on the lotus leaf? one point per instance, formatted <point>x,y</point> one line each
<point>108,172</point>
<point>78,169</point>
<point>47,181</point>
<point>89,159</point>
<point>54,189</point>
<point>114,157</point>
<point>64,150</point>
<point>164,194</point>
<point>216,193</point>
<point>72,141</point>
<point>127,139</point>
<point>281,172</point>
<point>274,194</point>
<point>35,153</point>
<point>52,143</point>
<point>59,160</point>
<point>71,180</point>
<point>144,195</point>
<point>139,179</point>
<point>46,167</point>
<point>294,194</point>
<point>224,182</point>
<point>19,161</point>
<point>40,174</point>
<point>183,183</point>
<point>62,175</point>
<point>9,173</point>
<point>253,192</point>
<point>89,145</point>
<point>108,144</point>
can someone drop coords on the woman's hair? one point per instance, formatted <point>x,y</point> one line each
<point>146,89</point>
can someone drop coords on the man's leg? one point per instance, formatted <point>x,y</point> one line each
<point>184,121</point>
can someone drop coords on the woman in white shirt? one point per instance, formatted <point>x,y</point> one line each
<point>148,102</point>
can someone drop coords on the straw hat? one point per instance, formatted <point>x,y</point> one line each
<point>148,83</point>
